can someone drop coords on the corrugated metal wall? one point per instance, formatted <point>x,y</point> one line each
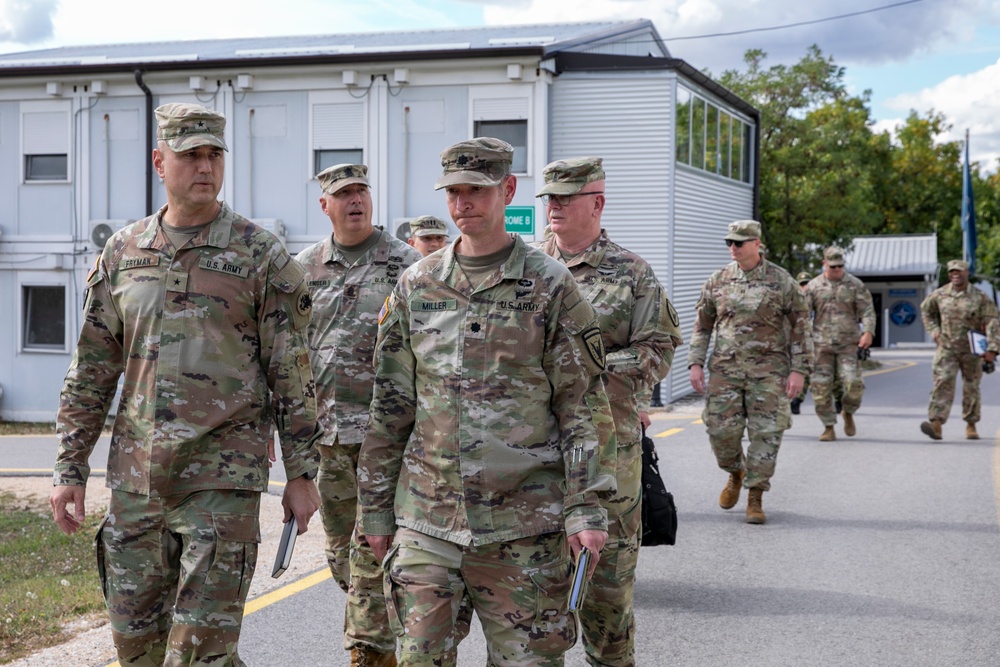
<point>703,207</point>
<point>675,223</point>
<point>627,121</point>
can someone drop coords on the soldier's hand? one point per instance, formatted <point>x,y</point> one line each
<point>301,498</point>
<point>866,340</point>
<point>594,541</point>
<point>697,376</point>
<point>61,498</point>
<point>793,387</point>
<point>380,545</point>
<point>270,450</point>
<point>990,357</point>
<point>936,336</point>
<point>644,419</point>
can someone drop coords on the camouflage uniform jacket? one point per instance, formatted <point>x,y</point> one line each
<point>212,346</point>
<point>761,323</point>
<point>839,306</point>
<point>639,326</point>
<point>953,314</point>
<point>481,423</point>
<point>346,302</point>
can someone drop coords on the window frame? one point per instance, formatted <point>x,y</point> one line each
<point>505,103</point>
<point>30,280</point>
<point>59,143</point>
<point>356,140</point>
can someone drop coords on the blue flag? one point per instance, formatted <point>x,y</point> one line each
<point>969,242</point>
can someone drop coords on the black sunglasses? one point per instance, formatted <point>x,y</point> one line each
<point>738,244</point>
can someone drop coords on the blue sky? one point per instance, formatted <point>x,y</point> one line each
<point>918,54</point>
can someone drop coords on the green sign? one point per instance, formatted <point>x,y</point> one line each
<point>520,219</point>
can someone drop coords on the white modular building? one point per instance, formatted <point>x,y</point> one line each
<point>77,132</point>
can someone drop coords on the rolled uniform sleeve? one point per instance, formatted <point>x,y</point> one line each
<point>91,381</point>
<point>573,363</point>
<point>284,324</point>
<point>704,324</point>
<point>391,420</point>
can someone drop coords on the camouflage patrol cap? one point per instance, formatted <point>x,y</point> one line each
<point>567,177</point>
<point>185,126</point>
<point>743,230</point>
<point>834,256</point>
<point>957,265</point>
<point>339,176</point>
<point>803,277</point>
<point>428,225</point>
<point>479,161</point>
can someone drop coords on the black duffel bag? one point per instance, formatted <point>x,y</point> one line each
<point>659,514</point>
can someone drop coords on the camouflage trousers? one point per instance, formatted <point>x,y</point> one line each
<point>757,405</point>
<point>175,572</point>
<point>946,366</point>
<point>351,560</point>
<point>836,367</point>
<point>607,619</point>
<point>519,590</point>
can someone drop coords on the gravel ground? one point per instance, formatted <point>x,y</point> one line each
<point>88,640</point>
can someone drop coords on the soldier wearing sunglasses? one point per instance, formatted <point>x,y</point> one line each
<point>763,350</point>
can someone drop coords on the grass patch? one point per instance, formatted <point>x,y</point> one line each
<point>27,428</point>
<point>48,580</point>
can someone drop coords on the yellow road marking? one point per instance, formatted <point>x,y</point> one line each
<point>286,591</point>
<point>275,596</point>
<point>905,364</point>
<point>668,433</point>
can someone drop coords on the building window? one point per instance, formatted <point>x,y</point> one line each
<point>711,139</point>
<point>514,132</point>
<point>43,317</point>
<point>338,134</point>
<point>45,141</point>
<point>323,158</point>
<point>46,167</point>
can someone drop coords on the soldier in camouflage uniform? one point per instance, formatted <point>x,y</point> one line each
<point>839,302</point>
<point>480,466</point>
<point>949,314</point>
<point>428,234</point>
<point>802,279</point>
<point>640,331</point>
<point>350,274</point>
<point>763,350</point>
<point>205,315</point>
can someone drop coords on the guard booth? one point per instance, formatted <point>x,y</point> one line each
<point>900,271</point>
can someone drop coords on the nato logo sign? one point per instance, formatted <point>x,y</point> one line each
<point>902,313</point>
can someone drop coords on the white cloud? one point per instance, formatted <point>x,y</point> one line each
<point>26,20</point>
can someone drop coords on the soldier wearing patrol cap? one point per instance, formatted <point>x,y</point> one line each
<point>204,315</point>
<point>640,330</point>
<point>839,304</point>
<point>428,234</point>
<point>949,314</point>
<point>350,274</point>
<point>763,350</point>
<point>480,469</point>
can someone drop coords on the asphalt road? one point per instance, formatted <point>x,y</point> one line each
<point>881,549</point>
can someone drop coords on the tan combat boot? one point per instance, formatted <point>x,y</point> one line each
<point>828,435</point>
<point>932,428</point>
<point>755,513</point>
<point>970,432</point>
<point>849,428</point>
<point>366,657</point>
<point>731,494</point>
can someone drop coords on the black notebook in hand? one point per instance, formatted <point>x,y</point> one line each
<point>284,556</point>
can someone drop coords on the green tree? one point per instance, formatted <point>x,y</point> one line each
<point>818,156</point>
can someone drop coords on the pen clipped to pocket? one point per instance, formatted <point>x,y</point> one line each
<point>579,588</point>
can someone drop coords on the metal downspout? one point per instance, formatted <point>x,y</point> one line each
<point>149,141</point>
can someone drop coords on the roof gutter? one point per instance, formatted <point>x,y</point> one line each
<point>149,140</point>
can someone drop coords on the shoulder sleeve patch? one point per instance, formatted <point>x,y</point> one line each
<point>595,346</point>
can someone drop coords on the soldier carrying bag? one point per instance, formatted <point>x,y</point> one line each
<point>659,514</point>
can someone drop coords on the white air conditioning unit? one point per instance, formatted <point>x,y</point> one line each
<point>274,225</point>
<point>101,231</point>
